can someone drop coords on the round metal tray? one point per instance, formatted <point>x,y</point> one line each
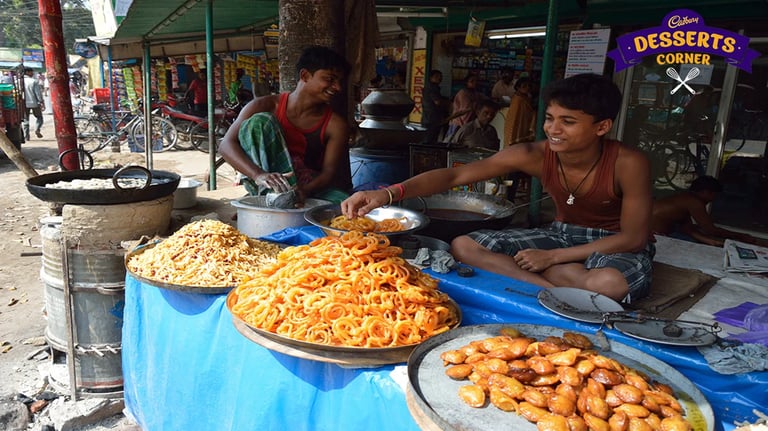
<point>342,355</point>
<point>321,216</point>
<point>577,304</point>
<point>170,286</point>
<point>435,403</point>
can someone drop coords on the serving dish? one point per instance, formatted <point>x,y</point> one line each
<point>341,355</point>
<point>671,332</point>
<point>578,304</point>
<point>434,402</point>
<point>170,286</point>
<point>413,221</point>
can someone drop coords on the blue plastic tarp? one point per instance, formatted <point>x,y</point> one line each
<point>186,367</point>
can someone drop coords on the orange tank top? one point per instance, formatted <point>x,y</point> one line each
<point>598,207</point>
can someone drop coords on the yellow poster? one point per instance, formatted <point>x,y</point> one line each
<point>475,31</point>
<point>418,77</point>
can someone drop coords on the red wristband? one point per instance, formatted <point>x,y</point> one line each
<point>401,189</point>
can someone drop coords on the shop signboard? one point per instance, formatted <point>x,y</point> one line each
<point>418,77</point>
<point>683,39</point>
<point>586,51</point>
<point>32,55</point>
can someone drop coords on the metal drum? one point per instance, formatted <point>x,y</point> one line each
<point>92,332</point>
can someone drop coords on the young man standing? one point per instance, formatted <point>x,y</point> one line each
<point>35,103</point>
<point>601,190</point>
<point>295,139</point>
<point>434,107</point>
<point>199,90</point>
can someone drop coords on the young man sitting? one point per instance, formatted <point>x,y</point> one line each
<point>685,216</point>
<point>479,133</point>
<point>601,191</point>
<point>295,140</point>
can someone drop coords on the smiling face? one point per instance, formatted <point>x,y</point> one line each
<point>570,130</point>
<point>324,83</point>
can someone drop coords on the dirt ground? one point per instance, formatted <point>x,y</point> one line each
<point>22,321</point>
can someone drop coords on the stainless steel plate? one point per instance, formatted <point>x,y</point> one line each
<point>413,220</point>
<point>578,304</point>
<point>436,395</point>
<point>653,330</point>
<point>342,355</point>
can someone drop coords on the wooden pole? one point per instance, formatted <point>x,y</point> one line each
<point>15,155</point>
<point>56,68</point>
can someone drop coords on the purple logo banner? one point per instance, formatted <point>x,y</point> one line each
<point>683,31</point>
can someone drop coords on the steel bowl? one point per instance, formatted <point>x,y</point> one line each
<point>321,217</point>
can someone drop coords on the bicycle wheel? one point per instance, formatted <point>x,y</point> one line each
<point>679,168</point>
<point>199,137</point>
<point>89,133</point>
<point>183,141</point>
<point>163,134</point>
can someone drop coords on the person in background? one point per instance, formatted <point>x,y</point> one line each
<point>199,90</point>
<point>504,88</point>
<point>434,107</point>
<point>6,78</point>
<point>464,105</point>
<point>601,190</point>
<point>685,216</point>
<point>35,103</point>
<point>479,133</point>
<point>238,94</point>
<point>520,126</point>
<point>520,123</point>
<point>295,140</point>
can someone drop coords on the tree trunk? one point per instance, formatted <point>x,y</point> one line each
<point>56,67</point>
<point>304,23</point>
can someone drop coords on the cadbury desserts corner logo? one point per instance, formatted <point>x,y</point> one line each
<point>683,39</point>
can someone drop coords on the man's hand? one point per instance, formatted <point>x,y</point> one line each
<point>274,180</point>
<point>361,203</point>
<point>534,260</point>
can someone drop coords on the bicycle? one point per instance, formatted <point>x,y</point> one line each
<point>95,132</point>
<point>198,135</point>
<point>673,163</point>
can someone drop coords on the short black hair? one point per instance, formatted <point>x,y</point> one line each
<point>316,57</point>
<point>485,102</point>
<point>434,72</point>
<point>706,183</point>
<point>594,94</point>
<point>521,81</point>
<point>28,69</point>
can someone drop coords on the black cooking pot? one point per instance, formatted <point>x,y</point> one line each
<point>455,213</point>
<point>155,185</point>
<point>387,104</point>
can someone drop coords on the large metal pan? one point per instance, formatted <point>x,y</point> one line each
<point>433,397</point>
<point>455,213</point>
<point>157,184</point>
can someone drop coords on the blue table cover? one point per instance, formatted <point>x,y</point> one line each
<point>186,367</point>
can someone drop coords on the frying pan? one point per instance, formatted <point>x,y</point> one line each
<point>157,184</point>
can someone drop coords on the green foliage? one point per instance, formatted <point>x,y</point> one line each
<point>21,23</point>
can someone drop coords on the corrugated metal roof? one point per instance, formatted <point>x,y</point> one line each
<point>158,19</point>
<point>166,19</point>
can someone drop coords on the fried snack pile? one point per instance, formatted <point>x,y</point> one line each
<point>561,384</point>
<point>353,290</point>
<point>366,224</point>
<point>206,253</point>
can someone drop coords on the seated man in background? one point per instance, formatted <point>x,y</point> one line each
<point>601,189</point>
<point>685,216</point>
<point>295,140</point>
<point>479,133</point>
